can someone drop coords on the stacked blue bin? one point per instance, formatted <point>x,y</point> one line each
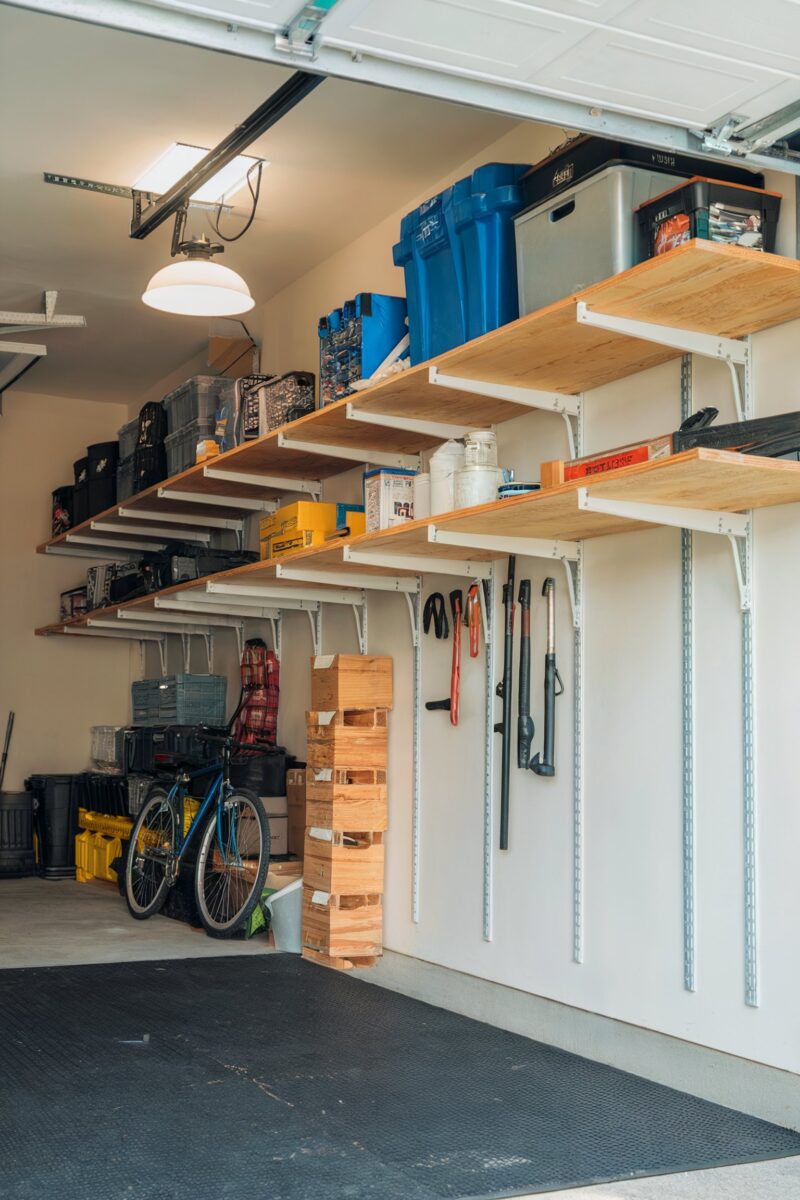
<point>457,252</point>
<point>355,339</point>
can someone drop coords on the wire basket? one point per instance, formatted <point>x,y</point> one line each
<point>108,748</point>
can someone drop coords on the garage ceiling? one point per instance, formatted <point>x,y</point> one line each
<point>102,104</point>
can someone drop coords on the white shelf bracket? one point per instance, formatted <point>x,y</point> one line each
<point>315,621</point>
<point>733,351</point>
<point>700,520</point>
<point>437,429</point>
<point>411,602</point>
<point>741,567</point>
<point>151,531</point>
<point>276,629</point>
<point>208,639</point>
<point>239,631</point>
<point>143,514</point>
<point>360,615</point>
<point>180,497</point>
<point>420,564</point>
<point>382,458</point>
<point>346,579</point>
<point>277,483</point>
<point>207,605</point>
<point>162,654</point>
<point>80,539</point>
<point>525,397</point>
<point>186,643</point>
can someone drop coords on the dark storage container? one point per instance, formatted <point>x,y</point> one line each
<point>714,211</point>
<point>103,457</point>
<point>586,155</point>
<point>101,793</point>
<point>128,436</point>
<point>55,815</point>
<point>80,493</point>
<point>125,478</point>
<point>285,399</point>
<point>62,509</point>
<point>73,603</point>
<point>181,446</point>
<point>16,834</point>
<point>149,466</point>
<point>152,424</point>
<point>262,773</point>
<point>198,398</point>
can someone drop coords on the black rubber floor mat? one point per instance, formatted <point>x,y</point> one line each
<point>251,1078</point>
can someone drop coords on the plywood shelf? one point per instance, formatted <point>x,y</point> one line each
<point>704,287</point>
<point>706,480</point>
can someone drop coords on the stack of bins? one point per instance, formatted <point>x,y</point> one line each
<point>355,341</point>
<point>128,436</point>
<point>458,254</point>
<point>194,411</point>
<point>346,810</point>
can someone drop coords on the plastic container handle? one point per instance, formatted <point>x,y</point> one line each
<point>563,210</point>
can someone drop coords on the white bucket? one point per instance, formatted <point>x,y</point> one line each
<point>477,485</point>
<point>286,917</point>
<point>448,459</point>
<point>480,449</point>
<point>422,496</point>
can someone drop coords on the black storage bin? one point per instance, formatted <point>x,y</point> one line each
<point>149,466</point>
<point>152,425</point>
<point>584,156</point>
<point>103,458</point>
<point>62,509</point>
<point>16,834</point>
<point>55,813</point>
<point>264,774</point>
<point>80,492</point>
<point>142,745</point>
<point>714,211</point>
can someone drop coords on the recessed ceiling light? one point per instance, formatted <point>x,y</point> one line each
<point>179,158</point>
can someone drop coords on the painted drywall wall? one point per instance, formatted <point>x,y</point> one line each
<point>58,687</point>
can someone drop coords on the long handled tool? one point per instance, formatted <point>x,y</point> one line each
<point>524,720</point>
<point>451,703</point>
<point>545,765</point>
<point>4,759</point>
<point>504,690</point>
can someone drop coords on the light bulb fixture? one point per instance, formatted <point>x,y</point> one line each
<point>196,286</point>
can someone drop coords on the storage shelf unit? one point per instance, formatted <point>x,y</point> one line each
<point>545,357</point>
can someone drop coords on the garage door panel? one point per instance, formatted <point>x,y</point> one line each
<point>771,40</point>
<point>615,69</point>
<point>258,14</point>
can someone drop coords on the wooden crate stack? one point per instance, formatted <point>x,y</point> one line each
<point>346,810</point>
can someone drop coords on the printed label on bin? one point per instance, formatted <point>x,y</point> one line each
<point>323,775</point>
<point>321,835</point>
<point>323,898</point>
<point>325,718</point>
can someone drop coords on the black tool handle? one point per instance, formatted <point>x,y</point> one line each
<point>6,744</point>
<point>504,689</point>
<point>544,764</point>
<point>433,705</point>
<point>525,728</point>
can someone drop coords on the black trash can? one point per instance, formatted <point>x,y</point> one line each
<point>16,834</point>
<point>55,815</point>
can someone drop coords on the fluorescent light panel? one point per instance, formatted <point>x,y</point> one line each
<point>179,158</point>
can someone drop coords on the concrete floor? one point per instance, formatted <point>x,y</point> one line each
<point>61,923</point>
<point>49,923</point>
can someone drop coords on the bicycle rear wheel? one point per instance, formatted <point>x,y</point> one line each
<point>232,863</point>
<point>152,842</point>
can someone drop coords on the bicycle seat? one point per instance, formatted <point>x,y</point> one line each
<point>178,762</point>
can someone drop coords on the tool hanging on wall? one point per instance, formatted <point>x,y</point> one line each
<point>435,614</point>
<point>473,619</point>
<point>7,743</point>
<point>451,704</point>
<point>544,764</point>
<point>504,689</point>
<point>525,727</point>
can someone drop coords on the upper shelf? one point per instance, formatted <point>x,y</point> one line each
<point>708,480</point>
<point>704,287</point>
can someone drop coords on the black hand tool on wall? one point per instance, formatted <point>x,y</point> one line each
<point>435,613</point>
<point>4,759</point>
<point>544,764</point>
<point>504,690</point>
<point>524,720</point>
<point>451,704</point>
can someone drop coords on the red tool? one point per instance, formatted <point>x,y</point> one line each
<point>474,619</point>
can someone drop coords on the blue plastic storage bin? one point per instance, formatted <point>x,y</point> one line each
<point>457,252</point>
<point>355,339</point>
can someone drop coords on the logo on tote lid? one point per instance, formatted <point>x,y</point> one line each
<point>564,175</point>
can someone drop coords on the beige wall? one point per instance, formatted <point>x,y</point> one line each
<point>57,687</point>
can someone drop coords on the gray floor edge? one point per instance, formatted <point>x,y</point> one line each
<point>754,1088</point>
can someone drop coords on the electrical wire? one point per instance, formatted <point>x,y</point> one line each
<point>254,195</point>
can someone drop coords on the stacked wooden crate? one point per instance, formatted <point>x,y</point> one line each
<point>346,810</point>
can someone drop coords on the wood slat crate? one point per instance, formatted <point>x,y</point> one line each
<point>342,926</point>
<point>348,806</point>
<point>338,964</point>
<point>349,738</point>
<point>344,863</point>
<point>350,681</point>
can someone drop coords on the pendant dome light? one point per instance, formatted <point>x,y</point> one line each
<point>198,287</point>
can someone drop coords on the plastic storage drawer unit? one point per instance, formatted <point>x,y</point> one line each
<point>457,252</point>
<point>199,397</point>
<point>582,236</point>
<point>181,446</point>
<point>717,212</point>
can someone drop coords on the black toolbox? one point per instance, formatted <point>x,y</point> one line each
<point>708,209</point>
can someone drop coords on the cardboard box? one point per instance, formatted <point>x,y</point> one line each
<point>279,837</point>
<point>557,471</point>
<point>296,801</point>
<point>296,787</point>
<point>343,864</point>
<point>388,497</point>
<point>350,681</point>
<point>303,514</point>
<point>275,806</point>
<point>280,874</point>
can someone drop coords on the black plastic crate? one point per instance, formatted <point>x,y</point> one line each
<point>149,466</point>
<point>198,398</point>
<point>62,509</point>
<point>587,155</point>
<point>714,211</point>
<point>125,478</point>
<point>151,424</point>
<point>128,436</point>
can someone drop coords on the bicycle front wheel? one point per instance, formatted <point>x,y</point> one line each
<point>151,845</point>
<point>232,863</point>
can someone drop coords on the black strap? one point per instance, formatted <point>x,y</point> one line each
<point>435,612</point>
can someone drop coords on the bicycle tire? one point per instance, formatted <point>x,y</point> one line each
<point>225,906</point>
<point>153,885</point>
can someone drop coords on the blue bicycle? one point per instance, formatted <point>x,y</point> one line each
<point>233,853</point>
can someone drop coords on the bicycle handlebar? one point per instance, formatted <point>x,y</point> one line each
<point>204,734</point>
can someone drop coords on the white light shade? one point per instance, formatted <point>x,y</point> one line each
<point>198,288</point>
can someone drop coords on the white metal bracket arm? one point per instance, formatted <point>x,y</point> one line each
<point>180,497</point>
<point>437,429</point>
<point>354,454</point>
<point>278,483</point>
<point>701,520</point>
<point>345,579</point>
<point>420,564</point>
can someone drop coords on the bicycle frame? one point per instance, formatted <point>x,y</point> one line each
<point>178,793</point>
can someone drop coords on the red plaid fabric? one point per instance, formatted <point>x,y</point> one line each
<point>257,720</point>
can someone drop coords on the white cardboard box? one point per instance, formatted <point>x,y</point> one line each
<point>388,497</point>
<point>275,806</point>
<point>278,835</point>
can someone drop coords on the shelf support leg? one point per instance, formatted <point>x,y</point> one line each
<point>487,608</point>
<point>315,621</point>
<point>276,624</point>
<point>688,788</point>
<point>208,640</point>
<point>577,594</point>
<point>187,652</point>
<point>162,654</point>
<point>239,631</point>
<point>414,602</point>
<point>360,615</point>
